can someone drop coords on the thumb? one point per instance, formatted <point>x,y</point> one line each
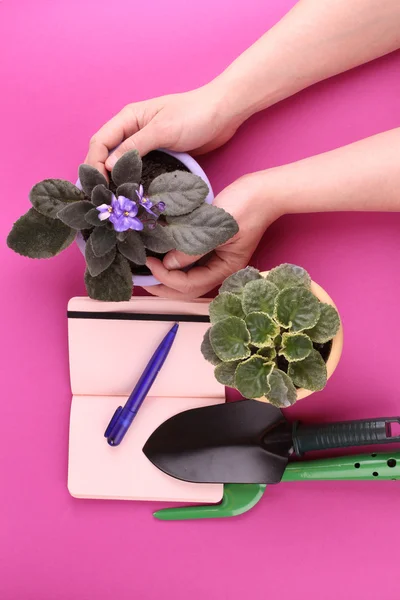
<point>179,260</point>
<point>143,141</point>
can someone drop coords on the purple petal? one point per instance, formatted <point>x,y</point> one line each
<point>125,204</point>
<point>103,208</point>
<point>139,193</point>
<point>134,210</point>
<point>104,215</point>
<point>135,224</point>
<point>114,202</point>
<point>121,223</point>
<point>147,205</point>
<point>161,206</point>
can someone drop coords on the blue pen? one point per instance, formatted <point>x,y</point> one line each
<point>123,416</point>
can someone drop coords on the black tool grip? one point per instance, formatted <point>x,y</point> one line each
<point>342,435</point>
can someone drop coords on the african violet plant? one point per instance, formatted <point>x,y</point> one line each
<point>268,334</point>
<point>119,223</point>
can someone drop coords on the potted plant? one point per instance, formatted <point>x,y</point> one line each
<point>274,336</point>
<point>151,206</point>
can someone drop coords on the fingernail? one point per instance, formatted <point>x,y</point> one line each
<point>170,263</point>
<point>149,262</point>
<point>110,162</point>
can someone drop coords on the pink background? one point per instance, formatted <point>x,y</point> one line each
<point>66,67</point>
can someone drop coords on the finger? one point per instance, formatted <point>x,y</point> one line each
<point>163,291</point>
<point>178,260</point>
<point>109,136</point>
<point>144,141</point>
<point>195,282</point>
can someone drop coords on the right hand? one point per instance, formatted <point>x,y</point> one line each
<point>254,205</point>
<point>197,121</point>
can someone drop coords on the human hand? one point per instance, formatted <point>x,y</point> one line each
<point>198,121</point>
<point>246,201</point>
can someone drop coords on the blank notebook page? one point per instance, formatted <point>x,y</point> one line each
<point>107,357</point>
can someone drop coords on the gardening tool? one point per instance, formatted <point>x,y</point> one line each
<point>249,442</point>
<point>239,498</point>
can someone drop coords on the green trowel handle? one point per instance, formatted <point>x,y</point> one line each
<point>357,467</point>
<point>241,497</point>
<point>343,435</point>
<point>238,498</point>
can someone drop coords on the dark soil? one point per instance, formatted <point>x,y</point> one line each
<point>154,164</point>
<point>324,349</point>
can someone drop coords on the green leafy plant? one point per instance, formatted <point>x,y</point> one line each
<point>119,223</point>
<point>268,334</point>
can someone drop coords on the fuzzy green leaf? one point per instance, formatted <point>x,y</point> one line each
<point>127,169</point>
<point>112,285</point>
<point>225,373</point>
<point>132,248</point>
<point>92,218</point>
<point>236,283</point>
<point>208,351</point>
<point>297,309</point>
<point>268,352</point>
<point>98,264</point>
<point>230,339</point>
<point>103,240</point>
<point>251,377</point>
<point>225,305</point>
<point>37,236</point>
<point>181,192</point>
<point>101,195</point>
<point>90,178</point>
<point>51,195</point>
<point>203,230</point>
<point>309,373</point>
<point>327,327</point>
<point>259,296</point>
<point>74,214</point>
<point>262,329</point>
<point>295,346</point>
<point>287,275</point>
<point>281,392</point>
<point>158,240</point>
<point>128,190</point>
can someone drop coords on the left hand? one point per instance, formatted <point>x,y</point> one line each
<point>246,201</point>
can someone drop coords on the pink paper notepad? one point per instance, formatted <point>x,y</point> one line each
<point>107,356</point>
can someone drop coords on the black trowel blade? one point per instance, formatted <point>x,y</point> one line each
<point>238,442</point>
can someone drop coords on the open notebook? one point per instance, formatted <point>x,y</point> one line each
<point>107,356</point>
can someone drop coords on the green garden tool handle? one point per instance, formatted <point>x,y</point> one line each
<point>343,435</point>
<point>238,498</point>
<point>383,466</point>
<point>241,497</point>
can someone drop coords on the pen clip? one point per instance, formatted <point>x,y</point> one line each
<point>113,421</point>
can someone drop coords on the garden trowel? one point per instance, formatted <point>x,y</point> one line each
<point>239,498</point>
<point>249,442</point>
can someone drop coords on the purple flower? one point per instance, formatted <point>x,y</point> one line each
<point>105,211</point>
<point>122,214</point>
<point>148,205</point>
